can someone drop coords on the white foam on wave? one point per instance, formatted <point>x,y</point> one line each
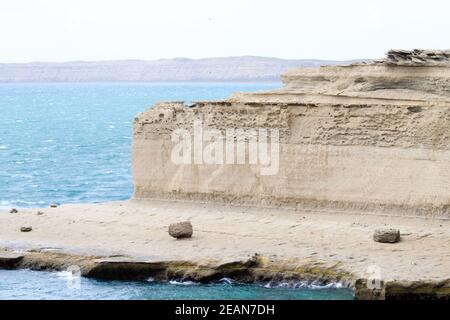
<point>270,285</point>
<point>227,281</point>
<point>5,205</point>
<point>303,285</point>
<point>183,283</point>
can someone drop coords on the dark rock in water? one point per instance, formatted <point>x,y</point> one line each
<point>386,235</point>
<point>53,205</point>
<point>26,229</point>
<point>9,260</point>
<point>13,210</point>
<point>181,230</point>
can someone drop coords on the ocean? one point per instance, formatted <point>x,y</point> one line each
<point>71,143</point>
<point>39,285</point>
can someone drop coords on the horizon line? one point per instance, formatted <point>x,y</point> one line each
<point>181,58</point>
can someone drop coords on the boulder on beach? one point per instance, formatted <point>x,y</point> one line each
<point>53,205</point>
<point>386,235</point>
<point>181,230</point>
<point>26,229</point>
<point>13,210</point>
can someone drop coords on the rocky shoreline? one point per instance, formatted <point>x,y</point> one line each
<point>257,269</point>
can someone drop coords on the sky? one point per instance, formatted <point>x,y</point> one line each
<point>68,30</point>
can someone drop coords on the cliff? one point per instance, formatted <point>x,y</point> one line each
<point>366,137</point>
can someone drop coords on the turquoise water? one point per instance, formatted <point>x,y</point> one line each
<point>25,284</point>
<point>71,143</point>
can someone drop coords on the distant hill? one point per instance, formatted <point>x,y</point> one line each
<point>245,68</point>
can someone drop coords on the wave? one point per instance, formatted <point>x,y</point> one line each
<point>4,205</point>
<point>303,285</point>
<point>227,281</point>
<point>291,284</point>
<point>8,204</point>
<point>183,283</point>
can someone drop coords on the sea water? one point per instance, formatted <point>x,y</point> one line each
<point>71,143</point>
<point>26,284</point>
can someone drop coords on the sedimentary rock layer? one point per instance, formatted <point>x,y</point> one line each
<point>369,137</point>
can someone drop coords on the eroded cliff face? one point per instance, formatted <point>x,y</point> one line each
<point>372,137</point>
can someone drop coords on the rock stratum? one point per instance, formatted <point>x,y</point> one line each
<point>368,137</point>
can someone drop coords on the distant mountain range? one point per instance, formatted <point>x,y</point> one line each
<point>247,68</point>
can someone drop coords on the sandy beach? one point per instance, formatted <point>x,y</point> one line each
<point>138,230</point>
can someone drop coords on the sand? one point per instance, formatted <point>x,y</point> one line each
<point>138,229</point>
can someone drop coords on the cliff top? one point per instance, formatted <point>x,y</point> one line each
<point>417,57</point>
<point>403,77</point>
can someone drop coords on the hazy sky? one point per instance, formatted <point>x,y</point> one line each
<point>62,30</point>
